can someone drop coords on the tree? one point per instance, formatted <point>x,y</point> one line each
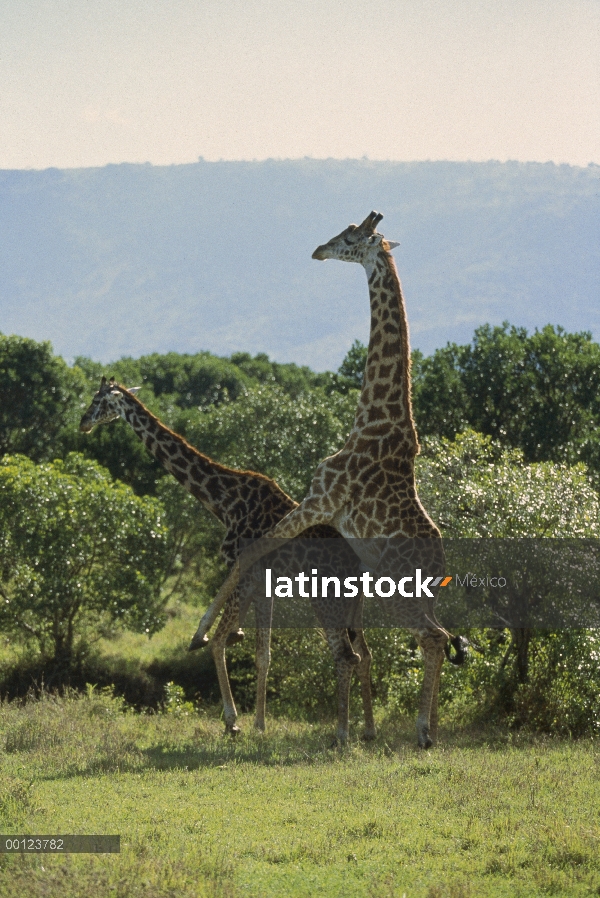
<point>293,379</point>
<point>40,396</point>
<point>203,379</point>
<point>194,381</point>
<point>440,403</point>
<point>353,365</point>
<point>538,392</point>
<point>474,487</point>
<point>195,564</point>
<point>78,553</point>
<point>266,430</point>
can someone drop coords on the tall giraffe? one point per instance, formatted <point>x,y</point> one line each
<point>367,489</point>
<point>249,505</point>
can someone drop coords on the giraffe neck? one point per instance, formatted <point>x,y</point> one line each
<point>385,398</point>
<point>215,485</point>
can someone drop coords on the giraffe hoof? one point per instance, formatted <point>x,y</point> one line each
<point>425,743</point>
<point>235,636</point>
<point>232,731</point>
<point>198,643</point>
<point>368,736</point>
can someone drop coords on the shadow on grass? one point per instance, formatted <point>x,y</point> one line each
<point>288,744</point>
<point>220,753</point>
<point>292,753</point>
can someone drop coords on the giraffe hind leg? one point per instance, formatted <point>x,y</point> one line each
<point>346,661</point>
<point>433,720</point>
<point>432,645</point>
<point>363,672</point>
<point>308,514</point>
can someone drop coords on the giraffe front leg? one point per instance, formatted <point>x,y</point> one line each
<point>263,659</point>
<point>363,672</point>
<point>228,621</point>
<point>432,645</point>
<point>345,669</point>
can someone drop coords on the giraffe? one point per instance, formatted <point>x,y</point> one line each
<point>367,489</point>
<point>249,505</point>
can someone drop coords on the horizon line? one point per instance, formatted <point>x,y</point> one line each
<point>281,159</point>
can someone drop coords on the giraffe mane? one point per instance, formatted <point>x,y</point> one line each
<point>225,469</point>
<point>405,344</point>
<point>406,378</point>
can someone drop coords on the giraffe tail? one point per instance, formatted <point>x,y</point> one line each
<point>460,644</point>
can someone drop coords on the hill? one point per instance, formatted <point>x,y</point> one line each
<point>131,259</point>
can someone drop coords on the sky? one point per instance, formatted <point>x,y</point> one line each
<point>91,82</point>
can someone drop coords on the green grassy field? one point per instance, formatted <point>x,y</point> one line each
<point>284,814</point>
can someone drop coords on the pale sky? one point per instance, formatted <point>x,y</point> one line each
<point>90,82</point>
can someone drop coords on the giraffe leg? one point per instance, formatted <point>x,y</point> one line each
<point>229,620</point>
<point>346,660</point>
<point>263,659</point>
<point>433,719</point>
<point>212,612</point>
<point>432,645</point>
<point>363,672</point>
<point>308,514</point>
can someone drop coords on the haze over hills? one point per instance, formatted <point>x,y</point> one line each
<point>131,259</point>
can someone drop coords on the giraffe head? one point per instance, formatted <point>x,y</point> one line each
<point>106,405</point>
<point>358,243</point>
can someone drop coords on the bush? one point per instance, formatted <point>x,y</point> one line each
<point>307,429</point>
<point>79,554</point>
<point>562,694</point>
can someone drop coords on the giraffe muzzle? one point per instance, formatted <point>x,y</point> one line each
<point>320,254</point>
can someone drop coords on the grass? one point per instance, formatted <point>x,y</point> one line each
<point>284,814</point>
<point>136,665</point>
<point>182,621</point>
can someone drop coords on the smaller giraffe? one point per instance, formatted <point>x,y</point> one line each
<point>249,505</point>
<point>367,490</point>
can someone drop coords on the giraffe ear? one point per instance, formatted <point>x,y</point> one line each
<point>392,244</point>
<point>133,390</point>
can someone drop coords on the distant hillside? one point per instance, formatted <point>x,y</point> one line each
<point>132,259</point>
